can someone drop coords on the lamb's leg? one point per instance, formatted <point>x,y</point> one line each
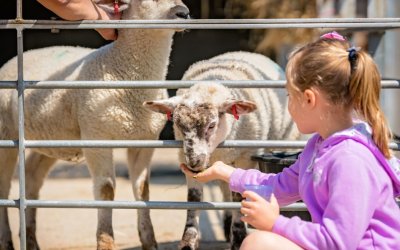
<point>139,173</point>
<point>238,229</point>
<point>191,234</point>
<point>36,168</point>
<point>227,197</point>
<point>100,163</point>
<point>8,159</point>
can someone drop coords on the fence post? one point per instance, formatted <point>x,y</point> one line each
<point>387,56</point>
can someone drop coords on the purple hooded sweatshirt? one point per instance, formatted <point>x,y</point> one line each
<point>348,188</point>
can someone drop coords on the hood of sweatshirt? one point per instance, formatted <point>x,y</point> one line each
<point>361,132</point>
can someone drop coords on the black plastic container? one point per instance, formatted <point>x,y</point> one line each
<point>274,163</point>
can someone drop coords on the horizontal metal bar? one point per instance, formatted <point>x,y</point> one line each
<point>383,23</point>
<point>298,206</point>
<point>9,143</point>
<point>9,203</point>
<point>138,205</point>
<point>170,84</point>
<point>156,144</point>
<point>222,21</point>
<point>8,84</point>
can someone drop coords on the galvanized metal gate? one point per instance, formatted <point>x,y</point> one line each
<point>20,25</point>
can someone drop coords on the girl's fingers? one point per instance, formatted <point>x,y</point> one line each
<point>246,211</point>
<point>252,195</point>
<point>246,204</point>
<point>247,219</point>
<point>185,170</point>
<point>244,219</point>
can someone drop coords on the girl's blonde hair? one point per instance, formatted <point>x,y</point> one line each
<point>350,81</point>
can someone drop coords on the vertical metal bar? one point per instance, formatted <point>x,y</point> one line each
<point>387,57</point>
<point>346,8</point>
<point>19,9</point>
<point>21,139</point>
<point>392,68</point>
<point>205,9</point>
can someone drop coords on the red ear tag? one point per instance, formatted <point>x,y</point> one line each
<point>116,7</point>
<point>169,116</point>
<point>234,112</point>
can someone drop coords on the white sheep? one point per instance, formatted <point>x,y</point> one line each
<point>88,114</point>
<point>201,122</point>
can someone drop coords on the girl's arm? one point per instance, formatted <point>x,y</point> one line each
<point>285,184</point>
<point>74,10</point>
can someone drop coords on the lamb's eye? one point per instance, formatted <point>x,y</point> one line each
<point>212,125</point>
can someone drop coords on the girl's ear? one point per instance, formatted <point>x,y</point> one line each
<point>309,96</point>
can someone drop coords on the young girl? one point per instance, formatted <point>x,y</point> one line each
<point>345,175</point>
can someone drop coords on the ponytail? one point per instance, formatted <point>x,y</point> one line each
<point>364,92</point>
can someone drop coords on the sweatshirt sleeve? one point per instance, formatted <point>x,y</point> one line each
<point>285,184</point>
<point>353,191</point>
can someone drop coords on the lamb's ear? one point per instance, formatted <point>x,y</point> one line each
<point>162,106</point>
<point>108,5</point>
<point>239,106</point>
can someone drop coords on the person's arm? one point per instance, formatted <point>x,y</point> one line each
<point>74,10</point>
<point>285,184</point>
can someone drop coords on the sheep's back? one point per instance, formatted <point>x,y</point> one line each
<point>39,64</point>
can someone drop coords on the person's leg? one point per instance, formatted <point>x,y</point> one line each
<point>264,240</point>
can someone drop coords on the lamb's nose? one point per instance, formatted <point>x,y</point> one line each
<point>181,12</point>
<point>194,163</point>
<point>184,15</point>
<point>198,161</point>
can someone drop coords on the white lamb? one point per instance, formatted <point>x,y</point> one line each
<point>74,114</point>
<point>203,117</point>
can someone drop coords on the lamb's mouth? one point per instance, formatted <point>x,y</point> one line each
<point>196,171</point>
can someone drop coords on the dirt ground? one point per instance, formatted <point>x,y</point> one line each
<point>59,228</point>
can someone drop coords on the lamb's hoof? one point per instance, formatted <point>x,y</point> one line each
<point>152,246</point>
<point>190,239</point>
<point>182,247</point>
<point>6,245</point>
<point>32,244</point>
<point>186,248</point>
<point>105,242</point>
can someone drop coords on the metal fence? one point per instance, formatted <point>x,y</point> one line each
<point>20,25</point>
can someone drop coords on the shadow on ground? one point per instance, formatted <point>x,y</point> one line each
<point>204,245</point>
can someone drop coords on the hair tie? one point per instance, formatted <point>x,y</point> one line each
<point>353,53</point>
<point>333,36</point>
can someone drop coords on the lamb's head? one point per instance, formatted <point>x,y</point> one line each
<point>200,119</point>
<point>147,9</point>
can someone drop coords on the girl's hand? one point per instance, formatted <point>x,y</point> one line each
<point>258,212</point>
<point>107,33</point>
<point>217,171</point>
